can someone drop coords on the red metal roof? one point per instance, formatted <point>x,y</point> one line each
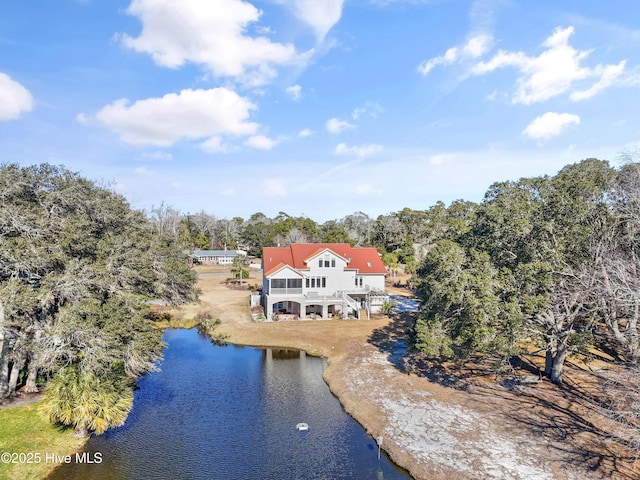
<point>364,260</point>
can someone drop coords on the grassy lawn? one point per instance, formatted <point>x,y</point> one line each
<point>23,430</point>
<point>213,269</point>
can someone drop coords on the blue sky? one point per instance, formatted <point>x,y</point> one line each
<point>315,107</point>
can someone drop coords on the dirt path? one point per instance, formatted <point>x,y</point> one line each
<point>429,425</point>
<point>20,399</point>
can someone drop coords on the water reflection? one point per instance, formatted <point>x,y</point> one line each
<point>230,412</point>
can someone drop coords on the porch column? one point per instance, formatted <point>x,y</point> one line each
<point>268,309</point>
<point>325,309</point>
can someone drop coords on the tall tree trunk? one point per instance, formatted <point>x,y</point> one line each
<point>555,357</point>
<point>4,355</point>
<point>35,357</point>
<point>4,369</point>
<point>557,368</point>
<point>548,363</point>
<point>32,377</point>
<point>18,363</point>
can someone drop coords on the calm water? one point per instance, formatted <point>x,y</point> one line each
<point>230,413</point>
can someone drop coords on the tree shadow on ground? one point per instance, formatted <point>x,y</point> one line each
<point>567,418</point>
<point>393,340</point>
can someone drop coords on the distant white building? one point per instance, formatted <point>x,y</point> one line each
<point>217,257</point>
<point>320,280</point>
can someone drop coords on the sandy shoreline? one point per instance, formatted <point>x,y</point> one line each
<point>433,431</point>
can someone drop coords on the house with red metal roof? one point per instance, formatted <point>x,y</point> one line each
<point>322,280</point>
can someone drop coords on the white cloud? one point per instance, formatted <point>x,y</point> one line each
<point>475,47</point>
<point>188,115</point>
<point>372,109</point>
<point>608,75</point>
<point>360,151</point>
<point>555,71</point>
<point>82,118</point>
<point>305,132</point>
<point>295,92</point>
<point>260,142</point>
<point>211,34</point>
<point>549,125</point>
<point>14,98</point>
<point>320,15</point>
<point>335,125</point>
<point>274,187</point>
<point>215,144</point>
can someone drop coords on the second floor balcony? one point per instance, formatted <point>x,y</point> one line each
<point>285,291</point>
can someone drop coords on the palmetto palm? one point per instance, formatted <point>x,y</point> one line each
<point>86,401</point>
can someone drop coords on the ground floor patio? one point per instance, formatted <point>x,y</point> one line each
<point>314,307</point>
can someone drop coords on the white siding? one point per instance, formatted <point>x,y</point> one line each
<point>337,279</point>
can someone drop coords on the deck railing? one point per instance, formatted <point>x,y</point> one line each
<point>285,291</point>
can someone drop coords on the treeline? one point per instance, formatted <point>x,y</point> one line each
<point>399,236</point>
<point>77,268</point>
<point>545,263</point>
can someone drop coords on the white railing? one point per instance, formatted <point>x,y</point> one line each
<point>285,291</point>
<point>351,303</point>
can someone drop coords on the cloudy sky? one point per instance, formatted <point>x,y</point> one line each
<point>315,107</point>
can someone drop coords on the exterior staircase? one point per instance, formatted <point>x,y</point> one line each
<point>352,304</point>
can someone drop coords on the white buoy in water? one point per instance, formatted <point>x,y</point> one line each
<point>302,426</point>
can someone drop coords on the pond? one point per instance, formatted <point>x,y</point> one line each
<point>231,412</point>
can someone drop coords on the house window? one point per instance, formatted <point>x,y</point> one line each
<point>333,262</point>
<point>360,281</point>
<point>324,282</point>
<point>320,263</point>
<point>356,281</point>
<point>313,282</point>
<point>278,283</point>
<point>307,282</point>
<point>294,283</point>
